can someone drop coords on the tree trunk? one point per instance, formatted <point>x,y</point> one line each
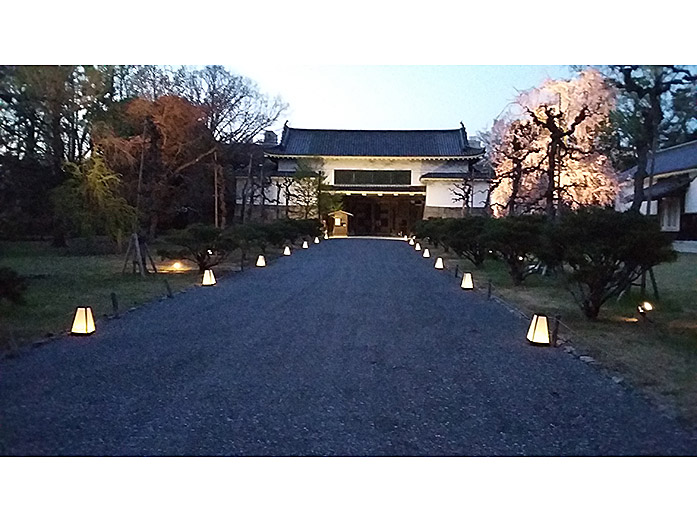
<point>639,177</point>
<point>550,211</point>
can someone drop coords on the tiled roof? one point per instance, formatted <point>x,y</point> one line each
<point>673,159</point>
<point>480,173</point>
<point>667,186</point>
<point>328,142</point>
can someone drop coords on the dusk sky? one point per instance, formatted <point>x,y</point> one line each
<point>397,97</point>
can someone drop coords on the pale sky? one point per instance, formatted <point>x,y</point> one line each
<point>396,97</point>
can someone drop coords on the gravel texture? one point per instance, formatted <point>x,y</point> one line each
<point>354,347</point>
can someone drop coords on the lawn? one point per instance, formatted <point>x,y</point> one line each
<point>658,356</point>
<point>59,282</point>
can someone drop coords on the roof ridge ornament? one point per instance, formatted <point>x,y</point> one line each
<point>465,139</point>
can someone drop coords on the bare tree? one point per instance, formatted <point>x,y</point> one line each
<point>643,92</point>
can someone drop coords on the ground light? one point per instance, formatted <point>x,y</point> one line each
<point>326,236</point>
<point>538,333</point>
<point>467,283</point>
<point>406,238</point>
<point>417,247</point>
<point>286,251</point>
<point>426,253</point>
<point>208,278</point>
<point>411,241</point>
<point>83,324</point>
<point>316,239</point>
<point>261,261</point>
<point>645,307</point>
<point>305,245</point>
<point>439,263</point>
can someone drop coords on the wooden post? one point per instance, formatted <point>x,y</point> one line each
<point>138,255</point>
<point>555,329</point>
<point>653,283</point>
<point>115,304</point>
<point>457,268</point>
<point>488,292</point>
<point>169,290</point>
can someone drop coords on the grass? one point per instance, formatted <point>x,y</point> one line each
<point>60,282</point>
<point>658,356</point>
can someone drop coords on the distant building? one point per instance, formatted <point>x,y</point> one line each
<point>673,194</point>
<point>388,179</point>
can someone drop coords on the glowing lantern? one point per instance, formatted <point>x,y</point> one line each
<point>337,221</point>
<point>426,253</point>
<point>417,247</point>
<point>326,236</point>
<point>83,324</point>
<point>406,238</point>
<point>411,241</point>
<point>467,283</point>
<point>305,245</point>
<point>261,261</point>
<point>538,333</point>
<point>644,308</point>
<point>316,239</point>
<point>286,251</point>
<point>208,278</point>
<point>439,262</point>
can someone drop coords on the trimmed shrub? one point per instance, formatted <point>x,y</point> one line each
<point>465,236</point>
<point>433,230</point>
<point>204,245</point>
<point>606,251</point>
<point>518,240</point>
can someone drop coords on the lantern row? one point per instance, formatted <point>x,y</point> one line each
<point>83,321</point>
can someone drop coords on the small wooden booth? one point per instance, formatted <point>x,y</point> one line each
<point>340,223</point>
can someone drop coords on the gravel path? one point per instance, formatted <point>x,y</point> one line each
<point>355,347</point>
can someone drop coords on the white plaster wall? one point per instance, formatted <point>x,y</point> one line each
<point>479,193</point>
<point>416,166</point>
<point>691,198</point>
<point>270,193</point>
<point>654,207</point>
<point>440,194</point>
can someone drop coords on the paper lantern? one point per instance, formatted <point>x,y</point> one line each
<point>261,261</point>
<point>467,283</point>
<point>305,245</point>
<point>208,278</point>
<point>439,263</point>
<point>83,324</point>
<point>426,253</point>
<point>286,251</point>
<point>538,333</point>
<point>316,239</point>
<point>411,241</point>
<point>417,246</point>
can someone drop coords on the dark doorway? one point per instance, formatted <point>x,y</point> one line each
<point>386,215</point>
